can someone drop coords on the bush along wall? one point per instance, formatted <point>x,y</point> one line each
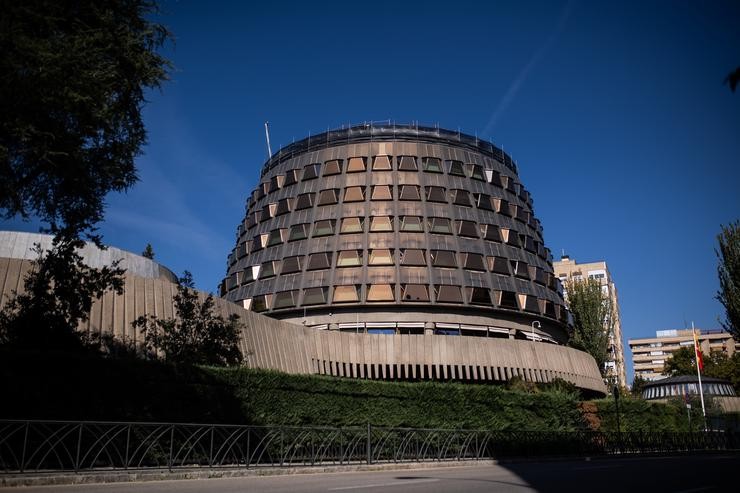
<point>85,387</point>
<point>276,398</point>
<point>640,415</point>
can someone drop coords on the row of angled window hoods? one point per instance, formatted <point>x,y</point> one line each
<point>439,328</point>
<point>389,224</point>
<point>387,257</point>
<point>432,194</point>
<point>385,163</point>
<point>414,293</point>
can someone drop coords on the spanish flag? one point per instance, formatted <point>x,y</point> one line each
<point>697,352</point>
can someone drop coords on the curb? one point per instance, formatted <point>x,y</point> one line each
<point>58,479</point>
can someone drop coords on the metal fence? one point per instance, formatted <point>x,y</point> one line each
<point>37,446</point>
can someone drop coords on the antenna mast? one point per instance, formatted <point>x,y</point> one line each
<point>267,136</point>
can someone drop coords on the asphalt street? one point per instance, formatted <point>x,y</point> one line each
<point>627,475</point>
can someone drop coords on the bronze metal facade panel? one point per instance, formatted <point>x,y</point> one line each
<point>455,201</point>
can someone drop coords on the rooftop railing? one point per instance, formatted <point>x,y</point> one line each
<point>384,131</point>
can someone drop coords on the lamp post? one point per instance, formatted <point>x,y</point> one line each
<point>535,324</point>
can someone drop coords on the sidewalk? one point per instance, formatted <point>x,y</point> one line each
<point>122,476</point>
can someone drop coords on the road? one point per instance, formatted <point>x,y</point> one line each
<point>627,475</point>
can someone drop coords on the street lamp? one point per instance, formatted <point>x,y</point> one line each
<point>535,324</point>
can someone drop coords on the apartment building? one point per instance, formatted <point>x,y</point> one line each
<point>650,354</point>
<point>568,269</point>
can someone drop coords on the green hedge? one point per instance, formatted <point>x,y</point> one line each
<point>276,398</point>
<point>49,386</point>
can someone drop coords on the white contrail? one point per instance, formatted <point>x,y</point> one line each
<point>536,57</point>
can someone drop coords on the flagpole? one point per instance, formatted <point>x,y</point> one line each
<point>698,374</point>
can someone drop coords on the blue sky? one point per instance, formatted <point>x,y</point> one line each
<point>615,112</point>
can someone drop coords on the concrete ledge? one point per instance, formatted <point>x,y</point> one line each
<point>55,478</point>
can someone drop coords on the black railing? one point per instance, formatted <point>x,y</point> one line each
<point>37,446</point>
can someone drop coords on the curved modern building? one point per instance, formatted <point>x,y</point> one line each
<point>397,229</point>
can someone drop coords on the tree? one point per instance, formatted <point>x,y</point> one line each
<point>682,362</point>
<point>59,293</point>
<point>592,319</point>
<point>196,336</point>
<point>729,277</point>
<point>71,94</point>
<point>148,252</point>
<point>638,383</point>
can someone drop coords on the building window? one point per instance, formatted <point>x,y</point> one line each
<point>381,256</point>
<point>443,258</point>
<point>467,228</point>
<point>315,296</point>
<point>380,292</point>
<point>251,221</point>
<point>455,168</point>
<point>490,232</point>
<point>409,192</point>
<point>412,256</point>
<point>507,299</point>
<point>328,196</point>
<point>311,171</point>
<point>354,194</point>
<point>479,296</point>
<point>333,167</point>
<point>411,224</point>
<point>346,294</point>
<point>264,214</point>
<point>261,303</point>
<point>502,207</point>
<point>291,265</point>
<point>483,201</point>
<point>298,232</point>
<point>476,172</point>
<point>290,178</point>
<point>382,192</point>
<point>510,237</point>
<point>520,269</point>
<point>472,261</point>
<point>283,207</point>
<point>407,163</point>
<point>323,228</point>
<point>356,164</point>
<point>530,303</point>
<point>349,258</point>
<point>285,299</point>
<point>461,197</point>
<point>269,269</point>
<point>435,194</point>
<point>275,183</point>
<point>447,294</point>
<point>352,225</point>
<point>305,201</point>
<point>431,164</point>
<point>496,178</point>
<point>381,163</point>
<point>415,292</point>
<point>276,237</point>
<point>549,309</point>
<point>318,261</point>
<point>381,224</point>
<point>440,225</point>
